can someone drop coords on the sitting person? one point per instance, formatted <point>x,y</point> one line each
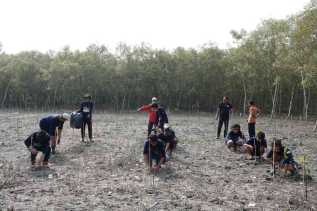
<point>154,150</point>
<point>39,144</point>
<point>235,138</point>
<point>283,157</point>
<point>170,140</point>
<point>256,146</point>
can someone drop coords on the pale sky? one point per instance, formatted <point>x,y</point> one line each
<point>52,24</point>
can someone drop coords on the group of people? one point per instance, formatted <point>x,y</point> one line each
<point>42,143</point>
<point>255,147</point>
<point>161,139</point>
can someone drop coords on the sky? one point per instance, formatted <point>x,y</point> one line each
<point>166,24</point>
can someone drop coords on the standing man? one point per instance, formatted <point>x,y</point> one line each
<point>253,113</point>
<point>86,108</point>
<point>50,124</point>
<point>223,116</point>
<point>151,109</point>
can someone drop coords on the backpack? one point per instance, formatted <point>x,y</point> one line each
<point>76,120</point>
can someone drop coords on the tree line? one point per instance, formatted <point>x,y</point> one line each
<point>274,65</point>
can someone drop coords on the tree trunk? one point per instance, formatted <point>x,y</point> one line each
<point>274,100</point>
<point>5,94</point>
<point>305,106</point>
<point>291,103</point>
<point>245,97</point>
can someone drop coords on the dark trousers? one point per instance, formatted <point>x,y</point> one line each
<point>251,128</point>
<point>88,122</point>
<point>46,152</point>
<point>150,127</point>
<point>220,123</point>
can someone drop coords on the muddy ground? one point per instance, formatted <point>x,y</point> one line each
<point>110,175</point>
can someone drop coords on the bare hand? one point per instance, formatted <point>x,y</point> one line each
<point>33,151</point>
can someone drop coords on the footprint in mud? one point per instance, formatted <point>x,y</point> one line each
<point>43,172</point>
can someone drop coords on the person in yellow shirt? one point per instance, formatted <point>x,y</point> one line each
<point>253,113</point>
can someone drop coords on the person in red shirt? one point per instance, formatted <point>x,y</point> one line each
<point>253,114</point>
<point>151,109</point>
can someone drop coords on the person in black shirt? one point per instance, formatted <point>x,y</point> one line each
<point>161,117</point>
<point>39,142</point>
<point>86,108</point>
<point>223,116</point>
<point>256,146</point>
<point>154,150</point>
<point>235,138</point>
<point>170,140</point>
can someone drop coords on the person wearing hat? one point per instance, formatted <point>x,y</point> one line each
<point>151,109</point>
<point>169,138</point>
<point>38,143</point>
<point>52,123</point>
<point>154,151</point>
<point>86,108</point>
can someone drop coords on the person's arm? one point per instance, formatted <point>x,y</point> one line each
<point>145,108</point>
<point>59,135</point>
<point>146,159</point>
<point>29,144</point>
<point>217,113</point>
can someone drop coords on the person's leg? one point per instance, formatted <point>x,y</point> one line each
<point>226,128</point>
<point>89,122</point>
<point>220,122</point>
<point>251,130</point>
<point>46,153</point>
<point>83,130</point>
<point>149,130</point>
<point>33,156</point>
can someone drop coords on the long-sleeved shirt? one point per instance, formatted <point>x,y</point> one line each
<point>151,113</point>
<point>86,108</point>
<point>39,140</point>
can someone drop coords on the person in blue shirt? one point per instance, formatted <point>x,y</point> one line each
<point>235,139</point>
<point>86,108</point>
<point>39,142</point>
<point>223,116</point>
<point>154,150</point>
<point>52,123</point>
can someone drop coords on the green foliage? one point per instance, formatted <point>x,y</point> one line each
<point>275,59</point>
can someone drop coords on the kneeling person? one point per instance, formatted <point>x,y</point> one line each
<point>39,144</point>
<point>235,138</point>
<point>256,146</point>
<point>154,150</point>
<point>170,140</point>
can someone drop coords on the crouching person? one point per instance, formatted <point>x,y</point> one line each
<point>256,146</point>
<point>283,158</point>
<point>235,139</point>
<point>154,151</point>
<point>50,124</point>
<point>170,140</point>
<point>39,145</point>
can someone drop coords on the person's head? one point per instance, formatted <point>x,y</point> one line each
<point>64,117</point>
<point>154,100</point>
<point>252,103</point>
<point>87,97</point>
<point>153,139</point>
<point>166,126</point>
<point>225,99</point>
<point>236,128</point>
<point>261,135</point>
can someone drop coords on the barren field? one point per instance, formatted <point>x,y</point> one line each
<point>110,175</point>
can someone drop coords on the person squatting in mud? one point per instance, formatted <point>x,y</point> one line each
<point>50,124</point>
<point>235,139</point>
<point>169,138</point>
<point>256,146</point>
<point>283,157</point>
<point>38,144</point>
<point>154,151</point>
<point>223,116</point>
<point>86,108</point>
